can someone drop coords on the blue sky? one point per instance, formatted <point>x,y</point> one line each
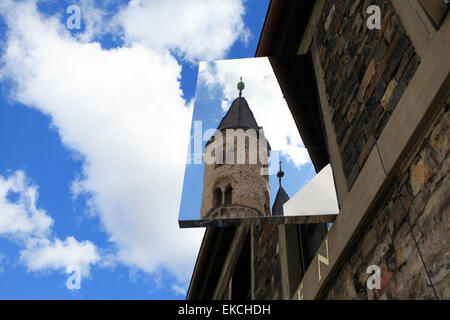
<point>94,128</point>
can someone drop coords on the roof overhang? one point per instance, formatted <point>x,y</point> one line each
<point>282,33</point>
<point>213,251</point>
<point>284,26</point>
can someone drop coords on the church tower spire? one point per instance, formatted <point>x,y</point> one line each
<point>235,183</point>
<point>280,174</point>
<point>281,198</point>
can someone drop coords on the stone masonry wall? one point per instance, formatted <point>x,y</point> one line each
<point>267,267</point>
<point>250,188</point>
<point>365,71</point>
<point>423,185</point>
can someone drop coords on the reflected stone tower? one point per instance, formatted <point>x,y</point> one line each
<point>236,181</point>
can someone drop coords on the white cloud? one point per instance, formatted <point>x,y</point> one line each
<point>21,218</point>
<point>122,110</point>
<point>265,99</point>
<point>195,29</point>
<point>30,227</point>
<point>43,254</point>
<point>93,19</point>
<point>179,290</point>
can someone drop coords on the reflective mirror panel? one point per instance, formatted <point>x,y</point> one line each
<point>246,161</point>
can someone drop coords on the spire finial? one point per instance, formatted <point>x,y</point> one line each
<point>280,174</point>
<point>240,87</point>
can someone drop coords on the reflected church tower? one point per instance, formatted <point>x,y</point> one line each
<point>236,181</point>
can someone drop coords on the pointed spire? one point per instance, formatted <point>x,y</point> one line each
<point>240,87</point>
<point>280,174</point>
<point>281,197</point>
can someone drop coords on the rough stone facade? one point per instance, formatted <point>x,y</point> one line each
<point>250,188</point>
<point>266,273</point>
<point>267,267</point>
<point>417,200</point>
<point>365,71</point>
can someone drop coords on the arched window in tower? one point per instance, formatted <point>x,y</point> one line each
<point>217,197</point>
<point>228,195</point>
<point>267,204</point>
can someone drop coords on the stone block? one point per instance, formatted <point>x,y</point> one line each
<point>384,23</point>
<point>393,44</point>
<point>420,173</point>
<point>338,23</point>
<point>388,93</point>
<point>418,205</point>
<point>381,67</point>
<point>381,50</point>
<point>352,111</point>
<point>368,75</point>
<point>391,28</point>
<point>413,265</point>
<point>386,277</point>
<point>440,137</point>
<point>396,95</point>
<point>330,17</point>
<point>404,245</point>
<point>377,94</point>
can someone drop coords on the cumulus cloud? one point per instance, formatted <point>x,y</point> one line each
<point>30,227</point>
<point>43,254</point>
<point>21,218</point>
<point>94,20</point>
<point>122,110</point>
<point>193,29</point>
<point>264,96</point>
